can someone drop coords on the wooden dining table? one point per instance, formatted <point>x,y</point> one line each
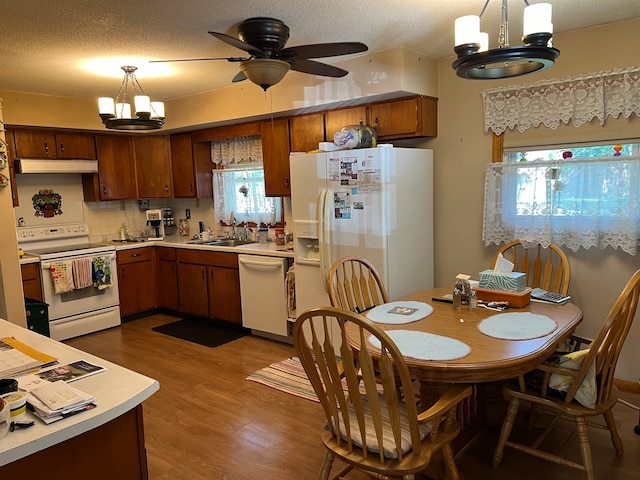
<point>490,358</point>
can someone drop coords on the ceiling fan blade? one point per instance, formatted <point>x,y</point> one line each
<point>317,68</point>
<point>255,51</point>
<point>321,50</point>
<point>228,59</point>
<point>240,77</point>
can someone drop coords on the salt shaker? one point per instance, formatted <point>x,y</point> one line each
<point>457,299</point>
<point>473,300</point>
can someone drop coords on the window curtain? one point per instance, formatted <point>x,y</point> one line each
<point>236,150</point>
<point>573,203</point>
<point>576,100</point>
<point>239,189</point>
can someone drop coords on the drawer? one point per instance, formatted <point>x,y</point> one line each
<point>166,253</point>
<point>214,259</point>
<point>135,255</point>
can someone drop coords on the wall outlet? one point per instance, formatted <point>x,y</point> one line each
<point>187,213</point>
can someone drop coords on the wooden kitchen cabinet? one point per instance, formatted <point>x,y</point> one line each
<point>182,166</point>
<point>152,159</point>
<point>335,120</point>
<point>31,281</point>
<point>41,144</point>
<point>306,132</point>
<point>405,118</point>
<point>167,278</point>
<point>275,157</point>
<point>116,178</point>
<point>11,155</point>
<point>209,284</point>
<point>137,280</point>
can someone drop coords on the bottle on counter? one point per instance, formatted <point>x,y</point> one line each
<point>457,298</point>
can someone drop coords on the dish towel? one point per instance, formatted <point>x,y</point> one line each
<point>102,272</point>
<point>61,276</point>
<point>82,273</point>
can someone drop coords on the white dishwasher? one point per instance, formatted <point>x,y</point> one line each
<point>263,293</point>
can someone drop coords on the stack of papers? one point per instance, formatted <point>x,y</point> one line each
<point>54,401</point>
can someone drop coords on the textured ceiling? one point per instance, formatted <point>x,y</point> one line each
<point>46,43</point>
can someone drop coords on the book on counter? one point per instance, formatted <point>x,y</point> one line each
<point>54,401</point>
<point>69,372</point>
<point>17,358</point>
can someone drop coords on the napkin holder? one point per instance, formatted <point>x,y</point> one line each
<point>515,299</point>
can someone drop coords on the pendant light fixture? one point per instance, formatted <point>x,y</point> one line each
<point>477,62</point>
<point>116,115</point>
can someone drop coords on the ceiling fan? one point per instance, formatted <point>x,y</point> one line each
<point>264,40</point>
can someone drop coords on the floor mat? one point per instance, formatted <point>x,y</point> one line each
<point>287,376</point>
<point>203,332</point>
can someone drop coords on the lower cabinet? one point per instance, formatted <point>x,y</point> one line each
<point>31,281</point>
<point>209,285</point>
<point>137,280</point>
<point>167,278</point>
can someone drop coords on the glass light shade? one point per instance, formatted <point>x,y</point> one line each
<point>106,106</point>
<point>264,71</point>
<point>483,38</point>
<point>537,19</point>
<point>142,104</point>
<point>467,29</point>
<point>123,110</point>
<point>157,109</point>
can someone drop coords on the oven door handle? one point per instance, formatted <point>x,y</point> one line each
<point>45,265</point>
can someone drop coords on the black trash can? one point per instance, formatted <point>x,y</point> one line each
<point>37,316</point>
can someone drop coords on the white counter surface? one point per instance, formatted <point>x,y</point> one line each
<point>117,391</point>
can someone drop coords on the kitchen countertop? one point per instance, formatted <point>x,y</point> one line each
<point>117,390</point>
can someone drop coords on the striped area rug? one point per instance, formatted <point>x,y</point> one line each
<point>287,376</point>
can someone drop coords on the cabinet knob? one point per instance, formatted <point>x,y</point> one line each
<point>62,147</point>
<point>134,255</point>
<point>46,147</point>
<point>166,187</point>
<point>104,190</point>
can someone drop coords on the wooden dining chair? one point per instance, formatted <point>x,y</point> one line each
<point>368,426</point>
<point>546,268</point>
<point>354,284</point>
<point>584,387</point>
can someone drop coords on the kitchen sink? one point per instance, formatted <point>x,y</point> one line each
<point>229,242</point>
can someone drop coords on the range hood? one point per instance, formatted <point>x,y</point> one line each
<point>45,165</point>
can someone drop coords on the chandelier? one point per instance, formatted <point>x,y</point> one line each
<point>116,115</point>
<point>477,62</point>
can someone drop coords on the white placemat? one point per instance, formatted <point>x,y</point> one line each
<point>425,346</point>
<point>399,312</point>
<point>517,326</point>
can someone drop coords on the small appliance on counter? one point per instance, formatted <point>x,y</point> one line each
<point>169,221</point>
<point>154,220</point>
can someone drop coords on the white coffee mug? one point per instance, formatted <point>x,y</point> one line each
<point>5,418</point>
<point>206,235</point>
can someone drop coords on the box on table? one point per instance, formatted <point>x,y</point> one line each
<point>515,299</point>
<point>507,282</point>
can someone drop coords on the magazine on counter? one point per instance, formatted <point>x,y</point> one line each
<point>68,372</point>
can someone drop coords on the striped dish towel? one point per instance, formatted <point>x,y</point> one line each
<point>82,273</point>
<point>61,276</point>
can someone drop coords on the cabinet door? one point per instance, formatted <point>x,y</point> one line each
<point>115,179</point>
<point>31,281</point>
<point>153,166</point>
<point>412,117</point>
<point>167,278</point>
<point>184,181</point>
<point>192,289</point>
<point>306,132</point>
<point>11,155</point>
<point>224,294</point>
<point>335,120</point>
<point>76,145</point>
<point>35,144</point>
<point>136,287</point>
<point>275,157</point>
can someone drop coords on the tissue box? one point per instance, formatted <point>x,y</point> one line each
<point>508,282</point>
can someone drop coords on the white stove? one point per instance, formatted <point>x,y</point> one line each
<point>76,306</point>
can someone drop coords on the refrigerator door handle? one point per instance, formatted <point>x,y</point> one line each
<point>324,231</point>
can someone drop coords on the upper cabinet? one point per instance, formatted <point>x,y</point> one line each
<point>306,131</point>
<point>40,144</point>
<point>335,120</point>
<point>152,160</point>
<point>405,118</point>
<point>182,166</point>
<point>275,157</point>
<point>116,179</point>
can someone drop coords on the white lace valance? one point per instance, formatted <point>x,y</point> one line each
<point>236,150</point>
<point>577,100</point>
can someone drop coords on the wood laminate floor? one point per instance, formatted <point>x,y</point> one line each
<point>208,422</point>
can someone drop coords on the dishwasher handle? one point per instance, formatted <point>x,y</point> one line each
<point>263,264</point>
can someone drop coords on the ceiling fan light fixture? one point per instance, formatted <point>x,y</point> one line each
<point>264,72</point>
<point>477,62</point>
<point>116,114</point>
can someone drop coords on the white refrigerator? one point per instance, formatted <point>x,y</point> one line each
<point>375,203</point>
